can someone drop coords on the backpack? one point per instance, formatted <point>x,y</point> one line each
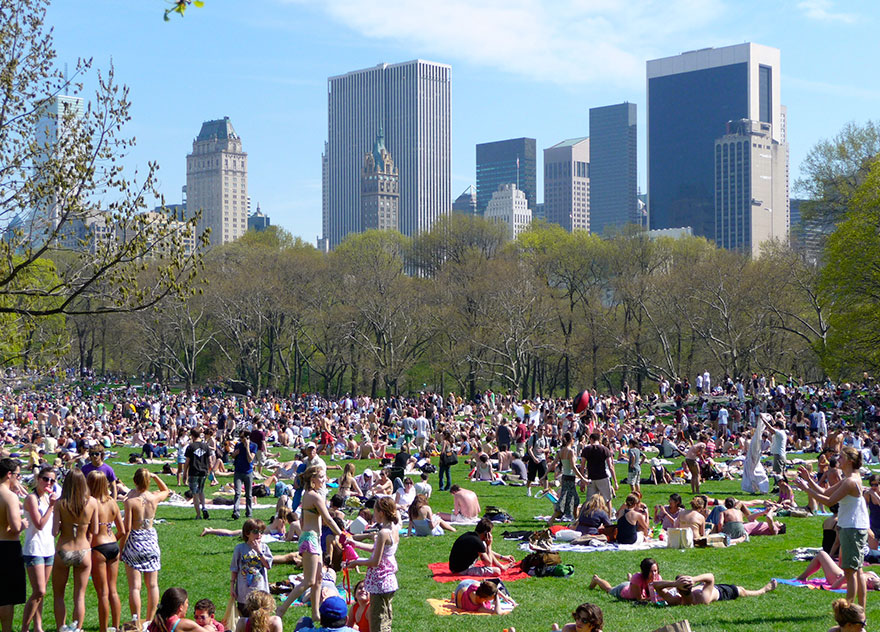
<point>539,560</point>
<point>556,570</point>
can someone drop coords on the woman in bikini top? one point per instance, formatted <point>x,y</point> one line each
<point>105,550</point>
<point>74,522</point>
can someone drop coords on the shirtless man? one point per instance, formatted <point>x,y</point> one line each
<point>692,460</point>
<point>693,518</point>
<point>13,581</point>
<point>466,505</point>
<point>702,590</point>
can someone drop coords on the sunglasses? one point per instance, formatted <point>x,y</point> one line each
<point>46,479</point>
<point>861,624</point>
<point>94,454</point>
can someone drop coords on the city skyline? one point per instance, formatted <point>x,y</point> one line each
<point>286,52</point>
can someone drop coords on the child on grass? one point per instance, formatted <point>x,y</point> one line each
<point>359,614</point>
<point>203,614</point>
<point>250,563</point>
<point>381,578</point>
<point>587,618</point>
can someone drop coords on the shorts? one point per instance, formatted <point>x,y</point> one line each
<point>727,592</point>
<point>600,486</point>
<point>308,543</point>
<point>538,470</point>
<point>633,477</point>
<point>853,545</point>
<point>259,457</point>
<point>38,560</point>
<point>615,592</point>
<point>779,463</point>
<point>13,579</point>
<point>197,483</point>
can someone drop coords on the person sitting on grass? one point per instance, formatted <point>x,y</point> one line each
<point>693,518</point>
<point>473,596</point>
<point>702,590</point>
<point>359,614</point>
<point>171,614</point>
<point>631,522</point>
<point>203,614</point>
<point>666,515</point>
<point>260,607</point>
<point>466,505</point>
<point>477,545</point>
<point>332,616</point>
<point>639,586</point>
<point>587,618</point>
<point>834,575</point>
<point>422,520</point>
<point>850,617</point>
<point>592,516</point>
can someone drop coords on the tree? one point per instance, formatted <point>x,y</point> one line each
<point>834,169</point>
<point>852,279</point>
<point>57,168</point>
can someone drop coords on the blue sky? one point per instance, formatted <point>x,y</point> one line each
<point>519,68</point>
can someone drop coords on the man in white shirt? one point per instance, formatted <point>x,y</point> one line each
<point>777,444</point>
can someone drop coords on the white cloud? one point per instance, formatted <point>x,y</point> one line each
<point>822,10</point>
<point>563,41</point>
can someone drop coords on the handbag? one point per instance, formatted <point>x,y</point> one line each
<point>449,458</point>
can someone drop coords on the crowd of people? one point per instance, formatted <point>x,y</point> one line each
<point>64,498</point>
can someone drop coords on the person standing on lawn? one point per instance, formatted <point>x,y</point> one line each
<point>852,518</point>
<point>13,581</point>
<point>199,462</point>
<point>598,462</point>
<point>243,474</point>
<point>96,463</point>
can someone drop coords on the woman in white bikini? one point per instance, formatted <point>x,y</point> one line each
<point>74,522</point>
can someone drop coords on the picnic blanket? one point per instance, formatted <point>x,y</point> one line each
<point>211,506</point>
<point>815,584</point>
<point>805,553</point>
<point>442,574</point>
<point>577,548</point>
<point>446,607</point>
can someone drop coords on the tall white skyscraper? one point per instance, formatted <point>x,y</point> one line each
<point>216,182</point>
<point>55,128</point>
<point>411,103</point>
<point>691,99</point>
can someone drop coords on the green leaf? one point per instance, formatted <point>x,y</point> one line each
<point>199,3</point>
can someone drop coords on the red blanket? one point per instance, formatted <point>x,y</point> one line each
<point>442,574</point>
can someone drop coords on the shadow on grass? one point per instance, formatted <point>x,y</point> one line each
<point>759,620</point>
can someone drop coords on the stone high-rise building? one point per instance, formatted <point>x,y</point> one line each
<point>411,102</point>
<point>751,199</point>
<point>567,184</point>
<point>216,182</point>
<point>380,189</point>
<point>510,207</point>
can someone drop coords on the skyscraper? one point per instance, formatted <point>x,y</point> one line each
<point>511,161</point>
<point>380,189</point>
<point>59,118</point>
<point>691,98</point>
<point>510,208</point>
<point>613,167</point>
<point>751,200</point>
<point>410,101</point>
<point>466,203</point>
<point>567,184</point>
<point>216,182</point>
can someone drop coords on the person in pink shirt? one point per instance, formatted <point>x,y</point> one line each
<point>638,588</point>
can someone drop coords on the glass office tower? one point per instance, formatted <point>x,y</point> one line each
<point>691,98</point>
<point>613,167</point>
<point>502,162</point>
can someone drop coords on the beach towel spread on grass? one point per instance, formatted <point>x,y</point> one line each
<point>604,546</point>
<point>445,607</point>
<point>815,584</point>
<point>442,574</point>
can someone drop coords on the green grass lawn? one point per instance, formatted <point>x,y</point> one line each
<point>201,565</point>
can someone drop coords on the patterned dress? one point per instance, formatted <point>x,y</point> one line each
<point>382,578</point>
<point>141,550</point>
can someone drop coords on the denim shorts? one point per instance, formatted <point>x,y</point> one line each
<point>196,483</point>
<point>38,560</point>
